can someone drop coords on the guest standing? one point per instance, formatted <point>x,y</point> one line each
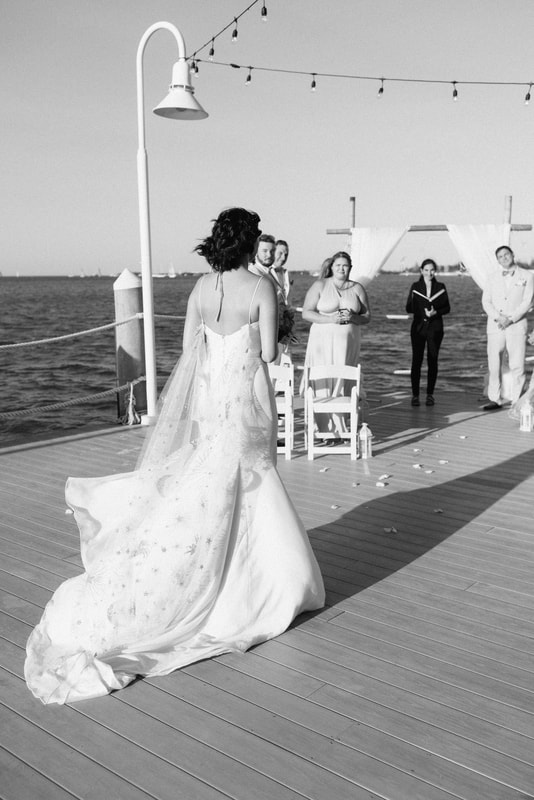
<point>279,270</point>
<point>428,302</point>
<point>506,300</point>
<point>337,308</point>
<point>264,257</point>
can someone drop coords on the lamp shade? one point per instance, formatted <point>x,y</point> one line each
<point>181,103</point>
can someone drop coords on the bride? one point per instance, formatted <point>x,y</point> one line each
<point>199,551</point>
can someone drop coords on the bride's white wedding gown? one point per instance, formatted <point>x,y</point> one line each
<point>196,553</point>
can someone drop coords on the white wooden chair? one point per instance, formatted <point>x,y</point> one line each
<point>283,380</point>
<point>335,402</point>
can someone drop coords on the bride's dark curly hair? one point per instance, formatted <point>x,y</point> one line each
<point>233,235</point>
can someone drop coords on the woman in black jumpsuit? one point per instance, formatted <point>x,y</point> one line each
<point>428,302</point>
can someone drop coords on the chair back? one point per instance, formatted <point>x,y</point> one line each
<point>282,377</point>
<point>332,372</point>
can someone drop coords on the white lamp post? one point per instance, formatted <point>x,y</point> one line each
<point>180,103</point>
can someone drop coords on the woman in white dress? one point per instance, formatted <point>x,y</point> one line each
<point>199,551</point>
<point>337,308</point>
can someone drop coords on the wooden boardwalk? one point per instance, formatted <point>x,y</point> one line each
<point>416,682</point>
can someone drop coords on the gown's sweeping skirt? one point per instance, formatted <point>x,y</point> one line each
<point>196,553</point>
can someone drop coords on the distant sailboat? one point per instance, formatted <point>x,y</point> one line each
<point>172,272</point>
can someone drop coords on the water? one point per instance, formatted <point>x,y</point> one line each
<point>40,307</point>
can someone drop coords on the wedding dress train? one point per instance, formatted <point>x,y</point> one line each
<point>197,552</point>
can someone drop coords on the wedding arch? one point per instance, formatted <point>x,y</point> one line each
<point>371,247</point>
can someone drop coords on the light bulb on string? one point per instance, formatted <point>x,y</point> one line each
<point>454,92</point>
<point>249,76</point>
<point>527,96</point>
<point>235,32</point>
<point>313,83</point>
<point>194,66</point>
<point>264,12</point>
<point>380,92</point>
<point>212,50</point>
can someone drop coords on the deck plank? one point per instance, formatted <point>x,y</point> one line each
<point>19,780</point>
<point>414,682</point>
<point>358,723</point>
<point>358,689</point>
<point>296,748</point>
<point>58,759</point>
<point>112,764</point>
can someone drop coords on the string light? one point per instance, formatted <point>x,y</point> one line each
<point>211,42</point>
<point>249,76</point>
<point>380,93</point>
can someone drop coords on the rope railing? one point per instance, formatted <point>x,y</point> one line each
<point>86,332</point>
<point>75,401</point>
<point>130,384</point>
<point>98,329</point>
<point>71,335</point>
<point>85,398</point>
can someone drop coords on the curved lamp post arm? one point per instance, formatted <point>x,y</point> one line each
<point>139,65</point>
<point>144,222</point>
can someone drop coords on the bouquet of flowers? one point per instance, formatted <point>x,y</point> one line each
<point>286,323</point>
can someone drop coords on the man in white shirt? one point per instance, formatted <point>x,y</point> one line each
<point>506,299</point>
<point>263,264</point>
<point>280,273</point>
<point>264,256</point>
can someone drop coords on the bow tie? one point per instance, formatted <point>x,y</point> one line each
<point>506,272</point>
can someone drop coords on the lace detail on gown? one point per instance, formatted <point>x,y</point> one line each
<point>197,552</point>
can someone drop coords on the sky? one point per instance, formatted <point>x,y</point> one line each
<point>68,118</point>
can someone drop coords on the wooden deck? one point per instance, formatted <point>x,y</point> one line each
<point>416,682</point>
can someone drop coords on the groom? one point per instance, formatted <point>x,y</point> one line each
<point>506,300</point>
<point>264,259</point>
<point>263,264</point>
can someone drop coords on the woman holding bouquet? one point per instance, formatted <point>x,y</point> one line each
<point>337,308</point>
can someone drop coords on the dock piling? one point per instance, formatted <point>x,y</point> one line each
<point>129,344</point>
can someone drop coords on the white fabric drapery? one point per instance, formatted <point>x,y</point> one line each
<point>476,245</point>
<point>370,248</point>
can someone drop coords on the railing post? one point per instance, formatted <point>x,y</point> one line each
<point>129,344</point>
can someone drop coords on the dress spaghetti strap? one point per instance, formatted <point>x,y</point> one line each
<point>200,299</point>
<point>252,299</point>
